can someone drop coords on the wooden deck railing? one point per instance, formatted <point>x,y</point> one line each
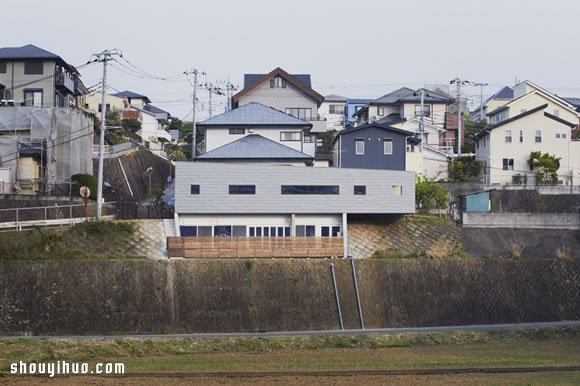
<point>254,247</point>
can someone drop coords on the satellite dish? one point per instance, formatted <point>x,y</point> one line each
<point>85,192</point>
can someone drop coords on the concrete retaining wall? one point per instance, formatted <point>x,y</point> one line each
<point>522,220</point>
<point>145,296</point>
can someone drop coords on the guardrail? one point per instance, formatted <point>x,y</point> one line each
<point>18,219</point>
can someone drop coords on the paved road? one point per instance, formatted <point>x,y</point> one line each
<point>477,327</point>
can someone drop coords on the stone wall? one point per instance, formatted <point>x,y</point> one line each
<point>145,296</point>
<point>530,201</point>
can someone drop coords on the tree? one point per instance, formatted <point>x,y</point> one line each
<point>464,169</point>
<point>472,128</point>
<point>546,167</point>
<point>132,124</point>
<point>429,194</point>
<point>327,139</point>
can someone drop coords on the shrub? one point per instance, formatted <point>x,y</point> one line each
<point>88,180</point>
<point>517,249</point>
<point>464,169</point>
<point>430,195</point>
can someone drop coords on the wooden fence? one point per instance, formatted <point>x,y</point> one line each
<point>250,247</point>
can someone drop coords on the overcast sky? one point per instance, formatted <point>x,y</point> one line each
<point>362,48</point>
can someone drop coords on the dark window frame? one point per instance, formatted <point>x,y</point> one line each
<point>336,109</point>
<point>3,68</point>
<point>508,164</point>
<point>310,189</point>
<point>194,189</point>
<point>32,68</point>
<point>27,101</point>
<point>242,189</point>
<point>237,131</point>
<point>360,190</point>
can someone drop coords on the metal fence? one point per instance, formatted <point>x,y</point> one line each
<point>129,210</point>
<point>50,216</point>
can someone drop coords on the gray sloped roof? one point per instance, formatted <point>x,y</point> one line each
<point>394,96</point>
<point>155,110</point>
<point>131,94</point>
<point>405,94</point>
<point>334,98</point>
<point>254,146</point>
<point>254,114</point>
<point>249,79</point>
<point>32,52</point>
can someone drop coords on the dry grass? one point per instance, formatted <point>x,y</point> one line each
<point>517,249</point>
<point>440,250</point>
<point>563,253</point>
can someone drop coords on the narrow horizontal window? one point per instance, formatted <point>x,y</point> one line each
<point>190,231</point>
<point>194,189</point>
<point>290,136</point>
<point>242,189</point>
<point>238,131</point>
<point>310,189</point>
<point>360,190</point>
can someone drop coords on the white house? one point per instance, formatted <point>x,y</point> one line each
<point>505,146</point>
<point>267,127</point>
<point>332,110</point>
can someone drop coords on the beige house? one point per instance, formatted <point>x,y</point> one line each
<point>505,145</point>
<point>500,98</point>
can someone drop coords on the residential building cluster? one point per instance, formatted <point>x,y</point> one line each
<point>284,160</point>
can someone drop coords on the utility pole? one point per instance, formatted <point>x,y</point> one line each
<point>459,82</point>
<point>481,85</point>
<point>103,57</point>
<point>194,133</point>
<point>210,89</point>
<point>422,121</point>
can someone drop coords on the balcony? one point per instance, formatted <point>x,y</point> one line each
<point>319,124</point>
<point>64,81</point>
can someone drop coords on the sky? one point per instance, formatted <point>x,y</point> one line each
<point>358,49</point>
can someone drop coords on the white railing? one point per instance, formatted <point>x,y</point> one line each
<point>18,219</point>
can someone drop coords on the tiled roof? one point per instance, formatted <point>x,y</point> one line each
<point>31,51</point>
<point>254,114</point>
<point>334,98</point>
<point>131,94</point>
<point>374,124</point>
<point>250,79</point>
<point>254,146</point>
<point>154,109</point>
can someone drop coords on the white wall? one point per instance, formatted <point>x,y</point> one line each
<point>216,137</point>
<point>280,98</point>
<point>333,121</point>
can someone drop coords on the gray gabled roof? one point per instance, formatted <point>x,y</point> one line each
<point>405,94</point>
<point>254,146</point>
<point>250,79</point>
<point>334,98</point>
<point>254,114</point>
<point>131,94</point>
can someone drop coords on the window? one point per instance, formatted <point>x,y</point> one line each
<point>508,136</point>
<point>305,230</point>
<point>388,146</point>
<point>277,82</point>
<point>508,164</point>
<point>310,189</point>
<point>269,231</point>
<point>336,109</point>
<point>328,231</point>
<point>239,231</point>
<point>360,190</point>
<point>538,138</point>
<point>380,111</point>
<point>2,68</point>
<point>563,135</point>
<point>556,112</point>
<point>309,138</point>
<point>222,231</point>
<point>300,112</point>
<point>357,108</point>
<point>521,136</point>
<point>238,131</point>
<point>188,231</point>
<point>290,136</point>
<point>242,189</point>
<point>204,231</point>
<point>426,110</point>
<point>33,97</point>
<point>360,147</point>
<point>411,147</point>
<point>557,135</point>
<point>194,189</point>
<point>107,105</point>
<point>33,68</point>
<point>397,190</point>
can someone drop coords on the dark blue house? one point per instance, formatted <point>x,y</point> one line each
<point>371,146</point>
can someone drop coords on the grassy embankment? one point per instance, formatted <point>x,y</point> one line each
<point>532,347</point>
<point>101,240</point>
